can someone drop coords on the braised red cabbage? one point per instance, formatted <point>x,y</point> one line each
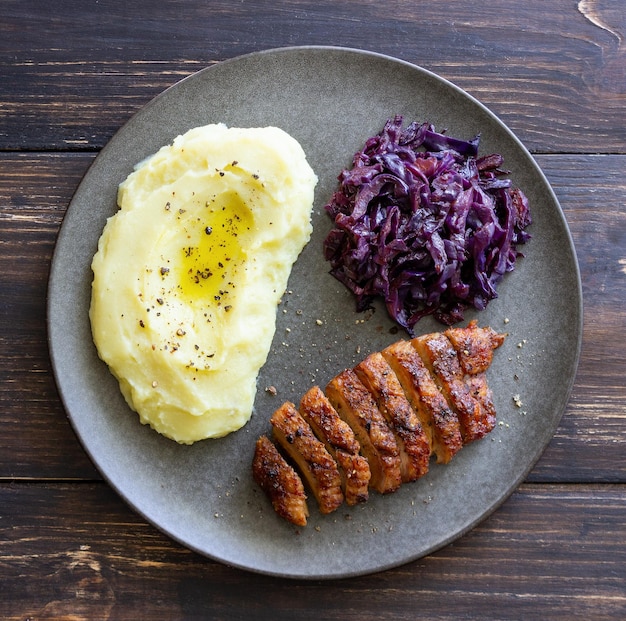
<point>421,220</point>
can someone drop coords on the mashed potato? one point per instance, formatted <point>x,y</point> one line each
<point>190,270</point>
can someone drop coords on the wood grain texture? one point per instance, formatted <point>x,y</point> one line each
<point>77,549</point>
<point>554,72</point>
<point>72,73</point>
<point>35,191</point>
<point>592,192</point>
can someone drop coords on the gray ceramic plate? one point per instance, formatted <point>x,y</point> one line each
<point>331,100</point>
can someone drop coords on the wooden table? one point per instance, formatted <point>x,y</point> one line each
<point>72,73</point>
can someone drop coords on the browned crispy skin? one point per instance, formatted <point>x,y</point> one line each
<point>356,406</point>
<point>480,390</point>
<point>280,482</point>
<point>317,466</point>
<point>438,419</point>
<point>474,346</point>
<point>378,377</point>
<point>441,360</point>
<point>380,422</point>
<point>356,476</point>
<point>340,442</point>
<point>317,410</point>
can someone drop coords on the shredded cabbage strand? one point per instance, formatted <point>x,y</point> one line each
<point>425,223</point>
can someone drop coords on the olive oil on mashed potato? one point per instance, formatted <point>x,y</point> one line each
<point>189,272</point>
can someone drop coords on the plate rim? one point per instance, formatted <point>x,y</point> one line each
<point>539,450</point>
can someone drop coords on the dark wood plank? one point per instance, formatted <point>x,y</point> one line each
<point>554,72</point>
<point>592,192</point>
<point>34,193</point>
<point>71,75</point>
<point>38,442</point>
<point>77,550</point>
